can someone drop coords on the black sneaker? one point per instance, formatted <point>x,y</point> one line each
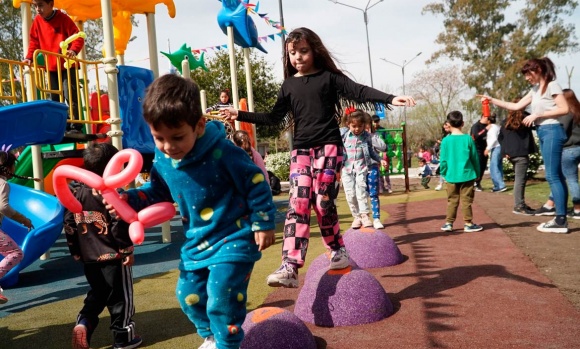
<point>498,190</point>
<point>544,211</point>
<point>573,214</point>
<point>553,227</point>
<point>478,188</point>
<point>526,211</point>
<point>129,345</point>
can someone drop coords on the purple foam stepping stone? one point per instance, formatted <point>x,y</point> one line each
<point>342,297</point>
<point>271,327</point>
<point>322,262</point>
<point>371,248</point>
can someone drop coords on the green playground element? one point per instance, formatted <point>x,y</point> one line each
<point>24,163</point>
<point>393,137</point>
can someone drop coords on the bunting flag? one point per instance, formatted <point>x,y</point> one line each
<point>253,9</point>
<point>264,38</point>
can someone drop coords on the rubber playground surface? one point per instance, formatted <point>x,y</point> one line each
<point>453,290</point>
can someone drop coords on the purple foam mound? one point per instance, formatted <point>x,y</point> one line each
<point>272,327</point>
<point>322,262</point>
<point>371,248</point>
<point>343,297</point>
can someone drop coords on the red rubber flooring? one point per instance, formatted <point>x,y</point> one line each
<point>455,290</point>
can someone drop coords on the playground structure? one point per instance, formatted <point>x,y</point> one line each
<point>29,120</point>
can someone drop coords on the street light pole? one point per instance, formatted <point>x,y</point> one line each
<point>405,63</point>
<point>366,19</point>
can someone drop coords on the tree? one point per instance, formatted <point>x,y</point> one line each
<point>218,77</point>
<point>493,48</point>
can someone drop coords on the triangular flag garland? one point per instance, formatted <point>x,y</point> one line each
<point>264,38</point>
<point>253,9</point>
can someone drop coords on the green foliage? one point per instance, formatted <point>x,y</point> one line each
<point>494,49</point>
<point>264,85</point>
<point>533,166</point>
<point>279,164</point>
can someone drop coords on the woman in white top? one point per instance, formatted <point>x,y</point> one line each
<point>493,150</point>
<point>548,103</point>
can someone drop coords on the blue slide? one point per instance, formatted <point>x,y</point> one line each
<point>39,122</point>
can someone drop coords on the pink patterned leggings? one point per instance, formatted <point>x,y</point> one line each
<point>313,182</point>
<point>11,252</point>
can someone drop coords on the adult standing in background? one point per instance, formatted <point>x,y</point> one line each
<point>548,104</point>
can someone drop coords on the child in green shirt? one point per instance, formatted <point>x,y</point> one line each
<point>460,167</point>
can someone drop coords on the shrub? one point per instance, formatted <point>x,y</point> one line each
<point>534,165</point>
<point>279,164</point>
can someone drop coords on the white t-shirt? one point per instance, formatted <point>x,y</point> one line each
<point>544,102</point>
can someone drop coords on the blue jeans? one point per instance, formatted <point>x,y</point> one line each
<point>496,168</point>
<point>552,138</point>
<point>570,161</point>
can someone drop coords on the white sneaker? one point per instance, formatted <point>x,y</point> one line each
<point>377,224</point>
<point>365,220</point>
<point>438,187</point>
<point>285,276</point>
<point>208,343</point>
<point>339,259</point>
<point>356,223</point>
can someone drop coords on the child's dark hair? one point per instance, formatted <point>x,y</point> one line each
<point>97,156</point>
<point>7,160</point>
<point>541,66</point>
<point>422,161</point>
<point>455,119</point>
<point>357,116</point>
<point>226,91</point>
<point>241,138</point>
<point>171,101</point>
<point>322,58</point>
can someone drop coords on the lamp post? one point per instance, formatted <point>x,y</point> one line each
<point>366,19</point>
<point>405,63</point>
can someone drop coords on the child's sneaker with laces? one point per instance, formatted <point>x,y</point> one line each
<point>3,298</point>
<point>285,276</point>
<point>339,259</point>
<point>447,227</point>
<point>553,227</point>
<point>472,227</point>
<point>377,224</point>
<point>356,223</point>
<point>208,343</point>
<point>129,345</point>
<point>365,220</point>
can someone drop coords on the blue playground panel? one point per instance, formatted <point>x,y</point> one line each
<point>46,214</point>
<point>132,83</point>
<point>38,122</point>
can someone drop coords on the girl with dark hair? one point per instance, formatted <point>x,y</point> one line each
<point>223,103</point>
<point>310,101</point>
<point>548,104</point>
<point>517,143</point>
<point>8,248</point>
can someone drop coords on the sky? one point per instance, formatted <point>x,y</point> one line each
<point>397,32</point>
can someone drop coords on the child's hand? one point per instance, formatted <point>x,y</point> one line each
<point>110,207</point>
<point>229,113</point>
<point>77,258</point>
<point>384,163</point>
<point>28,224</point>
<point>403,101</point>
<point>27,61</point>
<point>264,239</point>
<point>486,152</point>
<point>71,54</point>
<point>129,260</point>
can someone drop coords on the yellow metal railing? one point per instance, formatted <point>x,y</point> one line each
<point>43,84</point>
<point>12,87</point>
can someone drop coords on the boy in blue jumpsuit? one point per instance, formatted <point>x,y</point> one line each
<point>225,203</point>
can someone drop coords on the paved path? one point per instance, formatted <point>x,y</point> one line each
<point>456,290</point>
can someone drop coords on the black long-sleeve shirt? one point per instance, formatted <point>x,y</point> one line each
<point>516,143</point>
<point>93,235</point>
<point>312,100</point>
